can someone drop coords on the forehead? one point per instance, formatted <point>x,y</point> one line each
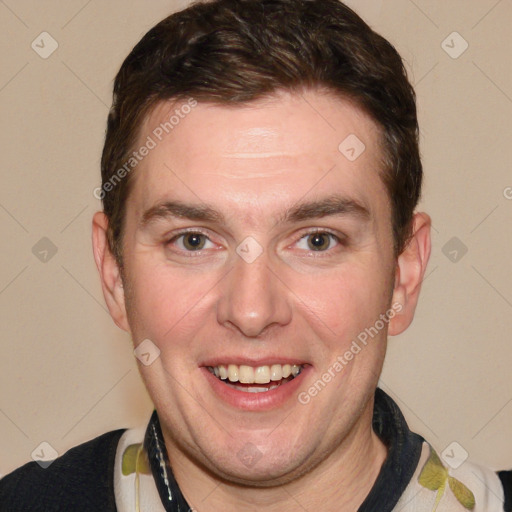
<point>258,155</point>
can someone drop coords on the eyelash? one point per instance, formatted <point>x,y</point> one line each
<point>341,241</point>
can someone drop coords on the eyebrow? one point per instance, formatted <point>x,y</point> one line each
<point>333,205</point>
<point>329,206</point>
<point>169,209</point>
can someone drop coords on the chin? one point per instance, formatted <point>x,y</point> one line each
<point>269,464</point>
<point>262,475</point>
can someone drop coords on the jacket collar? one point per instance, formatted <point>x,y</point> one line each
<point>404,450</point>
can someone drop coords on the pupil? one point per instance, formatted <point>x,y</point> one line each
<point>319,241</point>
<point>193,241</point>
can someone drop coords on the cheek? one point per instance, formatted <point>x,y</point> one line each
<point>165,302</point>
<point>344,302</point>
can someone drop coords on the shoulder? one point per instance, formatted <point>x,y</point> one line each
<point>79,480</point>
<point>450,482</point>
<point>506,480</point>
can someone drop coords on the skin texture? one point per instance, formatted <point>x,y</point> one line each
<point>251,163</point>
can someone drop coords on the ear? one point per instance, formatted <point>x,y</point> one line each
<point>110,274</point>
<point>409,274</point>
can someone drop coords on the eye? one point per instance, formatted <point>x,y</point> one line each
<point>191,241</point>
<point>319,241</point>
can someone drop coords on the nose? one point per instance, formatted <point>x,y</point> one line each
<point>252,298</point>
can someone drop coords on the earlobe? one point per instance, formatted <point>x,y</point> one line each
<point>409,274</point>
<point>110,275</point>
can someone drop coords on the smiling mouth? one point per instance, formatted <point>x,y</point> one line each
<point>257,379</point>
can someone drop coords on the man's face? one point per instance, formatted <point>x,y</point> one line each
<point>275,248</point>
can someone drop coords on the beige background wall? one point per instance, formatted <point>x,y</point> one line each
<point>68,374</point>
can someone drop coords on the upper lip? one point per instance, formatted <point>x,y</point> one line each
<point>266,361</point>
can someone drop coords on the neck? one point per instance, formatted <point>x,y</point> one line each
<point>339,483</point>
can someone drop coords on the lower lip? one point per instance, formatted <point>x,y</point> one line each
<point>263,401</point>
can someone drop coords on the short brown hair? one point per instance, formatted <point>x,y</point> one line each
<point>237,51</point>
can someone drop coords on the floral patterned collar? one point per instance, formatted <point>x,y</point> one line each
<point>413,477</point>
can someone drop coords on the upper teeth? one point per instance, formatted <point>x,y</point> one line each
<point>255,375</point>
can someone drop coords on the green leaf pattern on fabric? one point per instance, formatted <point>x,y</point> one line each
<point>462,493</point>
<point>435,476</point>
<point>135,460</point>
